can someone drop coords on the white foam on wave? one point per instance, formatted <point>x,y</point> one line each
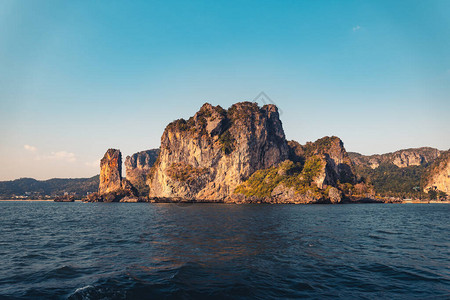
<point>78,290</point>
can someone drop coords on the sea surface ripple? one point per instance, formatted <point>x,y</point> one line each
<point>202,251</point>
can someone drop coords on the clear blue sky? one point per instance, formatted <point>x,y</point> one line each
<point>78,77</point>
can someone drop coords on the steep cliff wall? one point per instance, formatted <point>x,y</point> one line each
<point>138,166</point>
<point>112,187</point>
<point>206,157</point>
<point>110,172</point>
<point>437,175</point>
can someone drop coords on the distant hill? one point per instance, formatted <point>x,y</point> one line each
<point>399,174</point>
<point>401,158</point>
<point>30,188</point>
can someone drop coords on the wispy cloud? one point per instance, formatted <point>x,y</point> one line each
<point>30,148</point>
<point>62,155</point>
<point>95,163</point>
<point>54,155</point>
<point>356,28</point>
<point>58,156</point>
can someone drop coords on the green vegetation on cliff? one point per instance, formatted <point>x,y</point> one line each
<point>262,183</point>
<point>198,123</point>
<point>322,145</point>
<point>312,167</point>
<point>226,141</point>
<point>404,173</point>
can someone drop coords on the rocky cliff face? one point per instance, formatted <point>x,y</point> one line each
<point>110,172</point>
<point>112,187</point>
<point>315,173</point>
<point>437,175</point>
<point>208,156</point>
<point>402,158</point>
<point>338,165</point>
<point>137,167</point>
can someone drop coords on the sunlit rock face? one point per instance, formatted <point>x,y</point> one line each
<point>110,172</point>
<point>437,175</point>
<point>414,157</point>
<point>112,187</point>
<point>207,156</point>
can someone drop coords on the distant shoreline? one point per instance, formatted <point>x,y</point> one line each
<point>33,200</point>
<point>26,200</point>
<point>425,202</point>
<point>404,202</point>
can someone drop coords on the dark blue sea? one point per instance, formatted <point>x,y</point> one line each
<point>216,251</point>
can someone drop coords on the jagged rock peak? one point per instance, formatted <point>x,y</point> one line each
<point>141,160</point>
<point>207,156</point>
<point>110,172</point>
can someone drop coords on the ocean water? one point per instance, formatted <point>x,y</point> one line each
<point>216,251</point>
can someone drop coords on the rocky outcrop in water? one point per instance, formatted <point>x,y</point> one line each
<point>437,175</point>
<point>206,157</point>
<point>138,166</point>
<point>112,187</point>
<point>110,172</point>
<point>65,198</point>
<point>401,158</point>
<point>238,155</point>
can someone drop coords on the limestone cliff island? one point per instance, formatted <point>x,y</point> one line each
<point>238,155</point>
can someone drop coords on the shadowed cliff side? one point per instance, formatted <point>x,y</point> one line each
<point>138,167</point>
